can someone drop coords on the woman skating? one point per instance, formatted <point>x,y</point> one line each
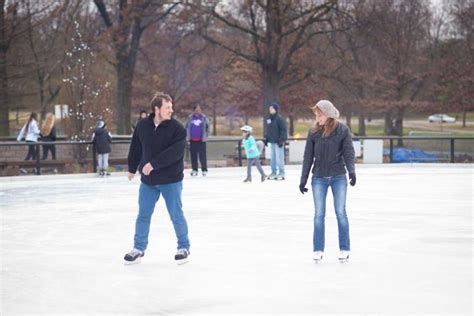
<point>330,152</point>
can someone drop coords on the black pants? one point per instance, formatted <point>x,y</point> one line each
<point>47,148</point>
<point>31,151</point>
<point>198,148</point>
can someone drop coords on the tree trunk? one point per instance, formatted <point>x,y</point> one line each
<point>388,128</point>
<point>361,123</point>
<point>271,92</point>
<point>214,119</point>
<point>42,102</point>
<point>4,98</point>
<point>124,96</point>
<point>399,125</point>
<point>348,119</point>
<point>292,125</point>
<point>464,118</point>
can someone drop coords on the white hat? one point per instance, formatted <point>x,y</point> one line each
<point>246,128</point>
<point>327,108</point>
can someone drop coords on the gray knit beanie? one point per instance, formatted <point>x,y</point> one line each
<point>328,108</point>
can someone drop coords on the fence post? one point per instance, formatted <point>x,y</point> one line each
<point>94,158</point>
<point>38,163</point>
<point>391,150</point>
<point>239,147</point>
<point>452,150</point>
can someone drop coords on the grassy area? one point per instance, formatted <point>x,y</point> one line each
<point>376,129</point>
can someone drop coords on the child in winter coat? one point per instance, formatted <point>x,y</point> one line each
<point>252,153</point>
<point>102,140</point>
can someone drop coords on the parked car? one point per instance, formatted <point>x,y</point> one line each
<point>442,118</point>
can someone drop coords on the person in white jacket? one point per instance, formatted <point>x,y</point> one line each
<point>30,132</point>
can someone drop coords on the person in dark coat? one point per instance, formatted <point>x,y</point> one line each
<point>157,153</point>
<point>102,140</point>
<point>328,153</point>
<point>276,134</point>
<point>48,134</point>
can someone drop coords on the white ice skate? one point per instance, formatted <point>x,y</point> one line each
<point>343,256</point>
<point>317,256</point>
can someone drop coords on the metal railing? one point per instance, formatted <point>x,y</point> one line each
<point>232,147</point>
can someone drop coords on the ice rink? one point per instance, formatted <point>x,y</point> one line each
<point>63,239</point>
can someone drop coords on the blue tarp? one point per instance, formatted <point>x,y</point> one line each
<point>411,155</point>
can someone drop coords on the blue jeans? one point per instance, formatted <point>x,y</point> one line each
<point>320,187</point>
<point>147,198</point>
<point>277,158</point>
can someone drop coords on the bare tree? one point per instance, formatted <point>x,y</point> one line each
<point>8,23</point>
<point>126,21</point>
<point>44,35</point>
<point>400,37</point>
<point>269,33</point>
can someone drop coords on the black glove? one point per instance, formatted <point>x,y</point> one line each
<point>352,177</point>
<point>303,190</point>
<point>265,141</point>
<point>280,145</point>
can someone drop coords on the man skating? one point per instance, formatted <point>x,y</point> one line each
<point>157,152</point>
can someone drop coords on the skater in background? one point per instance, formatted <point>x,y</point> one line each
<point>329,152</point>
<point>252,152</point>
<point>143,115</point>
<point>102,140</point>
<point>30,132</point>
<point>157,152</point>
<point>276,134</point>
<point>197,132</point>
<point>48,134</point>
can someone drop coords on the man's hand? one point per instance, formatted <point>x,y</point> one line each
<point>147,169</point>
<point>280,144</point>
<point>130,176</point>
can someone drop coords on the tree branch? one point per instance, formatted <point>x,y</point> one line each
<point>103,12</point>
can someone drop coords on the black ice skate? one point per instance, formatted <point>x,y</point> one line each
<point>247,180</point>
<point>182,255</point>
<point>133,256</point>
<point>343,256</point>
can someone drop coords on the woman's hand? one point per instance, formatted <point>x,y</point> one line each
<point>303,190</point>
<point>352,178</point>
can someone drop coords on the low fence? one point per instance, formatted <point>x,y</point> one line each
<point>73,156</point>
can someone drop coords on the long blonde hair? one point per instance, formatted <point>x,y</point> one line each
<point>47,124</point>
<point>327,128</point>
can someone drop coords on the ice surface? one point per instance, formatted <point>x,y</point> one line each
<point>63,239</point>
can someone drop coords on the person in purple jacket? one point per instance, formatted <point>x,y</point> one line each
<point>197,132</point>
